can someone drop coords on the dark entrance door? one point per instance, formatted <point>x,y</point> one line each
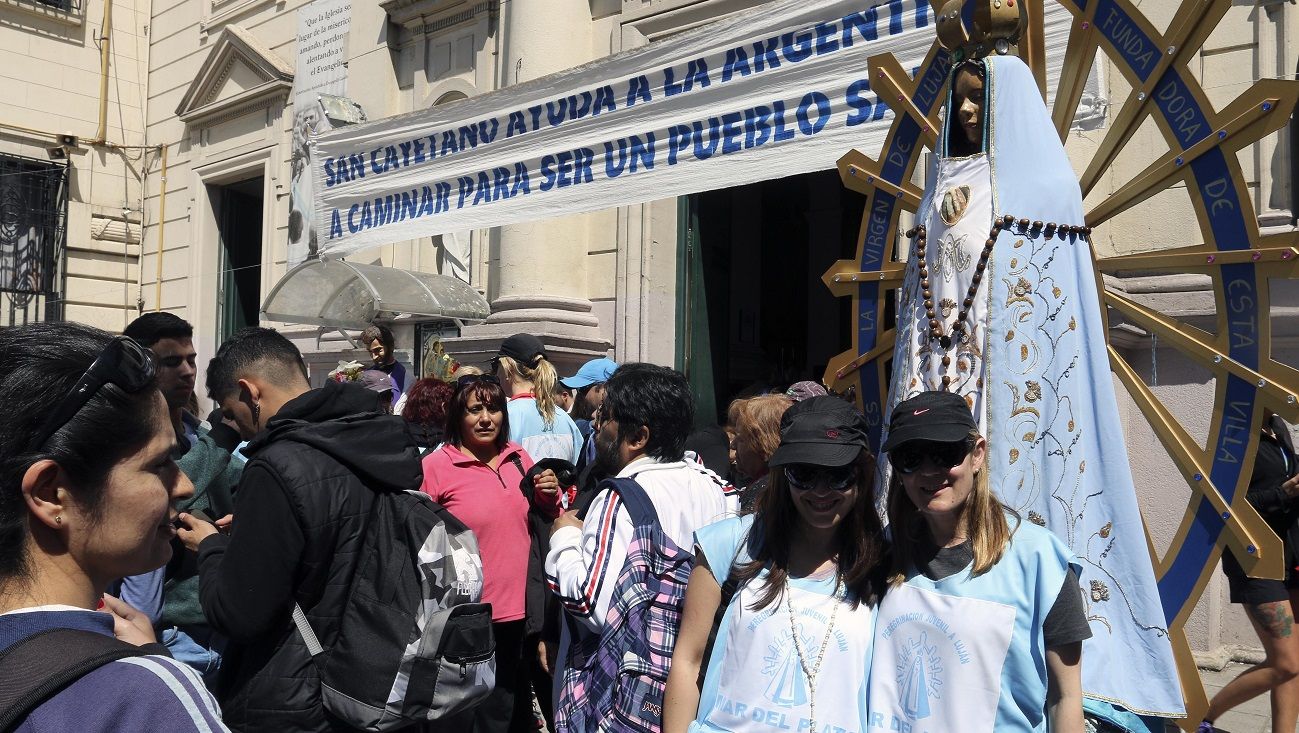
<point>239,220</point>
<point>755,315</point>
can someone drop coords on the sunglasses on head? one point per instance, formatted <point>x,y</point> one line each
<point>469,379</point>
<point>805,477</point>
<point>910,457</point>
<point>123,362</point>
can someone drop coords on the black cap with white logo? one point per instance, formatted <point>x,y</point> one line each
<point>940,417</point>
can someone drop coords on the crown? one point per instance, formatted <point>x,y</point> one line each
<point>972,29</point>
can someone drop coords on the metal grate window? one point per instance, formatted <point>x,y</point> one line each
<point>67,6</point>
<point>33,239</point>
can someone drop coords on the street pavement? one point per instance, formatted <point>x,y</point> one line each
<point>1254,716</point>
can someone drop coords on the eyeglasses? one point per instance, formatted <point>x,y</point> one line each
<point>469,379</point>
<point>805,478</point>
<point>123,362</point>
<point>908,458</point>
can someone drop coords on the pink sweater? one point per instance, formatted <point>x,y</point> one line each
<point>490,503</point>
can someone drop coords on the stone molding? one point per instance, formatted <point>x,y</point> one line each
<point>235,45</point>
<point>433,16</point>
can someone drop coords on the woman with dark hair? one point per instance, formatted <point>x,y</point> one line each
<point>980,601</point>
<point>476,475</point>
<point>426,411</point>
<point>87,487</point>
<point>797,583</point>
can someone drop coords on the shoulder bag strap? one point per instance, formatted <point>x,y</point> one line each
<point>38,667</point>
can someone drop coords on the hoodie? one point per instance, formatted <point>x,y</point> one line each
<point>300,514</point>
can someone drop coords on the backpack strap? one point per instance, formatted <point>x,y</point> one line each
<point>40,666</point>
<point>635,499</point>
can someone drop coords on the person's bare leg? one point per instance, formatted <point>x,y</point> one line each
<point>1274,624</point>
<point>1285,697</point>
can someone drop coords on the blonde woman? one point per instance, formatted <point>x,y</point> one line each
<point>757,435</point>
<point>536,422</point>
<point>982,627</point>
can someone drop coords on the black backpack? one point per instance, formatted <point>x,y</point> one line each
<point>414,642</point>
<point>42,665</point>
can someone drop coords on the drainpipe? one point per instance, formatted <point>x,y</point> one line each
<point>162,228</point>
<point>105,43</point>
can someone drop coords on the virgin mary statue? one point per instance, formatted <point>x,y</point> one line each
<point>1000,305</point>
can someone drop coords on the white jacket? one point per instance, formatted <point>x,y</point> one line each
<point>583,565</point>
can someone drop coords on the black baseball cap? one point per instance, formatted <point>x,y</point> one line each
<point>822,431</point>
<point>940,417</point>
<point>523,348</point>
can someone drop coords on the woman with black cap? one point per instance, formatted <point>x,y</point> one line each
<point>795,585</point>
<point>530,381</point>
<point>979,602</point>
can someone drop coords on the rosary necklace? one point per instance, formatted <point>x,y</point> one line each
<point>1048,229</point>
<point>809,671</point>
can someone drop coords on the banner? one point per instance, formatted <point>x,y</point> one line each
<point>321,68</point>
<point>768,94</point>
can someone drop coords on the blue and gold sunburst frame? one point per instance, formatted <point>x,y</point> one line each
<point>1203,145</point>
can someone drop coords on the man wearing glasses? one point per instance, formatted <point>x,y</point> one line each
<point>640,433</point>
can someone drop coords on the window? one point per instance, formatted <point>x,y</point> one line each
<point>67,6</point>
<point>33,239</point>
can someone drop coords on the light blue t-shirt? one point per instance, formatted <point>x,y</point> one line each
<point>967,653</point>
<point>560,439</point>
<point>756,681</point>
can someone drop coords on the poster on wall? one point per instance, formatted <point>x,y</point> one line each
<point>320,69</point>
<point>749,98</point>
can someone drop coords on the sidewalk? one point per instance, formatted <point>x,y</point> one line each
<point>1254,716</point>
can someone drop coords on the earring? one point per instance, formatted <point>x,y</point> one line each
<point>58,519</point>
<point>257,414</point>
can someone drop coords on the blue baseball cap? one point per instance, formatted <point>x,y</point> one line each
<point>594,371</point>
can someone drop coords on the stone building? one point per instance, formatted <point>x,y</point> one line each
<point>629,280</point>
<point>72,158</point>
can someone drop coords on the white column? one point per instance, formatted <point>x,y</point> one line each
<point>537,270</point>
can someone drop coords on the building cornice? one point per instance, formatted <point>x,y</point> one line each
<point>433,16</point>
<point>235,46</point>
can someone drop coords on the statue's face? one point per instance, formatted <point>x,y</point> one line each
<point>967,99</point>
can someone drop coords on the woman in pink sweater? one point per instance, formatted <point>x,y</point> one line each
<point>476,475</point>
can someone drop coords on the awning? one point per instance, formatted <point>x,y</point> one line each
<point>350,295</point>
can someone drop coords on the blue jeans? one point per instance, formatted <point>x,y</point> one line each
<point>185,650</point>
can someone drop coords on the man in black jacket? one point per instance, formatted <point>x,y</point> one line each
<point>316,459</point>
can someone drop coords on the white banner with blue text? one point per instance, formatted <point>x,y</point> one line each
<point>771,92</point>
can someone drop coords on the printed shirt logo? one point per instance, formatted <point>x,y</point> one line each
<point>919,676</point>
<point>920,412</point>
<point>788,685</point>
<point>832,434</point>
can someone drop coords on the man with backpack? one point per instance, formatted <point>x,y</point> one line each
<point>637,535</point>
<point>318,492</point>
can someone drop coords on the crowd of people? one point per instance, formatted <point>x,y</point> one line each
<point>159,571</point>
<point>199,541</point>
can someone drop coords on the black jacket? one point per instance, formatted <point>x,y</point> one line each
<point>1273,464</point>
<point>299,519</point>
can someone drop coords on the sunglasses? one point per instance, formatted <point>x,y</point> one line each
<point>469,379</point>
<point>123,362</point>
<point>805,478</point>
<point>910,457</point>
